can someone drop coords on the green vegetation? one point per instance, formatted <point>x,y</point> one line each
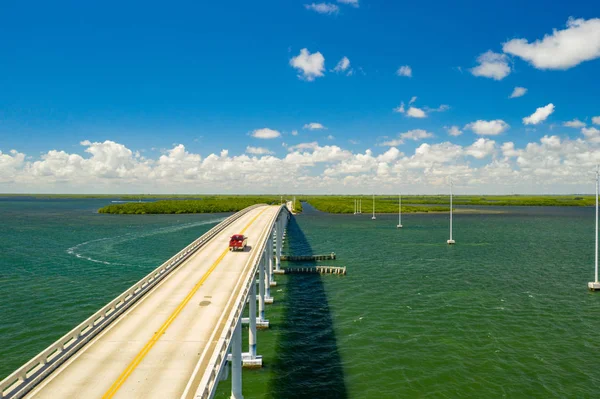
<point>197,203</point>
<point>209,204</point>
<point>425,203</point>
<point>298,206</point>
<point>345,204</point>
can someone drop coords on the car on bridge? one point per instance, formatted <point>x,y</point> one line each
<point>238,242</point>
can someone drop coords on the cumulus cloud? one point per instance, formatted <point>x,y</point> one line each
<point>563,49</point>
<point>311,66</point>
<point>481,148</point>
<point>508,150</point>
<point>415,134</point>
<point>258,150</point>
<point>314,126</point>
<point>454,131</point>
<point>492,65</point>
<point>323,8</point>
<point>10,164</point>
<point>540,115</point>
<point>294,132</point>
<point>591,134</point>
<point>265,133</point>
<point>487,128</point>
<point>353,3</point>
<point>551,163</point>
<point>518,92</point>
<point>304,146</point>
<point>575,123</point>
<point>415,112</point>
<point>343,66</point>
<point>404,70</point>
<point>596,120</point>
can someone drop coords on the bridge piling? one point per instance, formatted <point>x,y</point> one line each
<point>252,327</point>
<point>261,290</point>
<point>279,242</point>
<point>269,271</point>
<point>236,362</point>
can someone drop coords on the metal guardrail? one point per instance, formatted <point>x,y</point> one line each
<point>208,384</point>
<point>26,377</point>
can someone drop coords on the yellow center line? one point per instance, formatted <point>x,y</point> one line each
<point>140,356</point>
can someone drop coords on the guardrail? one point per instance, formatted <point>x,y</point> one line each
<point>26,377</point>
<point>209,381</point>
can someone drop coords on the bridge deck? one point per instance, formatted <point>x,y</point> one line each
<point>152,349</point>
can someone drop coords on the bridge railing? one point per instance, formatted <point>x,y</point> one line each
<point>209,381</point>
<point>34,371</point>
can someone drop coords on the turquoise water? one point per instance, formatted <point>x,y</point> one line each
<point>503,313</point>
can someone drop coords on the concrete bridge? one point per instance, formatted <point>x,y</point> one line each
<point>172,333</point>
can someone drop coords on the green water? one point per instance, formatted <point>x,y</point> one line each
<point>503,313</point>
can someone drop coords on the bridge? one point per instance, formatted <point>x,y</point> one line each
<point>173,332</point>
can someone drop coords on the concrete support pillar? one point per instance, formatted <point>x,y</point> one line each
<point>261,286</point>
<point>236,362</point>
<point>252,321</point>
<point>269,271</point>
<point>268,298</point>
<point>279,243</point>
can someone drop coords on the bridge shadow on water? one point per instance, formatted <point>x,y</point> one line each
<point>308,363</point>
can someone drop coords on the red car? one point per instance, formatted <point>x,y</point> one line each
<point>238,242</point>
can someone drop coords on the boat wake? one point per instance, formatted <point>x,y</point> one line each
<point>79,249</point>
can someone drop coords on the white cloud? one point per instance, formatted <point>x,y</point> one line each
<point>294,132</point>
<point>392,143</point>
<point>441,108</point>
<point>415,112</point>
<point>323,8</point>
<point>343,65</point>
<point>400,109</point>
<point>310,65</point>
<point>550,164</point>
<point>304,146</point>
<point>404,70</point>
<point>353,3</point>
<point>454,131</point>
<point>518,92</point>
<point>488,128</point>
<point>596,120</point>
<point>265,133</point>
<point>481,148</point>
<point>540,115</point>
<point>508,150</point>
<point>313,126</point>
<point>563,49</point>
<point>415,134</point>
<point>10,165</point>
<point>492,65</point>
<point>257,150</point>
<point>591,134</point>
<point>330,137</point>
<point>575,123</point>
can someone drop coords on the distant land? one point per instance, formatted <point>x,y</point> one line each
<point>341,204</point>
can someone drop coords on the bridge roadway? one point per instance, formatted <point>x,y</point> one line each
<point>161,344</point>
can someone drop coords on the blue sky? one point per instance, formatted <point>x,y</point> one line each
<point>147,77</point>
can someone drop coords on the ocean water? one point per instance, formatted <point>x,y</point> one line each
<point>503,313</point>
